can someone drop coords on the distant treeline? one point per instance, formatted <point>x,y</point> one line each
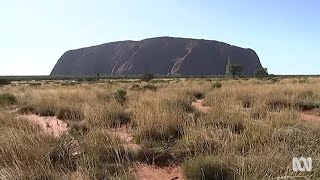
<point>110,77</point>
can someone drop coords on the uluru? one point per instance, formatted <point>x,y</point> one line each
<point>160,55</point>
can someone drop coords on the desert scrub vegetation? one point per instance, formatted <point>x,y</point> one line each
<point>7,99</point>
<point>4,82</point>
<point>253,129</point>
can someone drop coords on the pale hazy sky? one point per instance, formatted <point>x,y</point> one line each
<point>35,33</point>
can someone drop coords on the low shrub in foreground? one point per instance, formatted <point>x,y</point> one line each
<point>198,94</point>
<point>216,85</point>
<point>209,168</point>
<point>120,96</point>
<point>7,99</point>
<point>69,113</point>
<point>104,155</point>
<point>5,82</point>
<point>106,115</point>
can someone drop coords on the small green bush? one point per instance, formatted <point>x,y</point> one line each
<point>27,110</point>
<point>7,99</point>
<point>160,154</point>
<point>306,105</point>
<point>216,85</point>
<point>5,81</point>
<point>35,84</point>
<point>122,118</point>
<point>198,94</point>
<point>147,77</point>
<point>209,168</point>
<point>120,96</point>
<point>79,129</point>
<point>261,73</point>
<point>45,111</point>
<point>69,113</point>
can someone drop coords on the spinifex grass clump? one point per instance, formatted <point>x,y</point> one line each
<point>110,114</point>
<point>7,99</point>
<point>210,168</point>
<point>216,85</point>
<point>120,96</point>
<point>105,155</point>
<point>158,119</point>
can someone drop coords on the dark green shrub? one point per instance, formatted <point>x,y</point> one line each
<point>122,118</point>
<point>155,155</point>
<point>67,113</point>
<point>306,105</point>
<point>261,73</point>
<point>147,77</point>
<point>27,110</point>
<point>209,168</point>
<point>198,94</point>
<point>90,79</point>
<point>7,99</point>
<point>5,82</point>
<point>79,129</point>
<point>35,84</point>
<point>161,153</point>
<point>120,96</point>
<point>170,133</point>
<point>216,85</point>
<point>45,111</point>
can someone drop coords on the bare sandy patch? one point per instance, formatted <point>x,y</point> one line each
<point>147,172</point>
<point>50,125</point>
<point>199,105</point>
<point>309,116</point>
<point>125,133</point>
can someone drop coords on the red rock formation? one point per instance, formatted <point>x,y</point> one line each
<point>162,55</point>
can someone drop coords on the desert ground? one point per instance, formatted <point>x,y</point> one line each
<point>163,129</point>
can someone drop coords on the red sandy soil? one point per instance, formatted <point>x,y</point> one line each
<point>125,133</point>
<point>148,172</point>
<point>198,104</point>
<point>50,125</point>
<point>310,116</point>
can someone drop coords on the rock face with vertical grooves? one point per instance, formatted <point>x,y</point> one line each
<point>161,55</point>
